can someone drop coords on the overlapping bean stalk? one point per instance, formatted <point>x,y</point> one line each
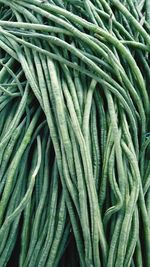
<point>74,133</point>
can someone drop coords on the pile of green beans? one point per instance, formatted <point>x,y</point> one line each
<point>75,133</point>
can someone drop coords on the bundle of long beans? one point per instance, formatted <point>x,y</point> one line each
<point>74,133</point>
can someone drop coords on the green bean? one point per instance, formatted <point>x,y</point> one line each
<point>16,118</point>
<point>14,164</point>
<point>39,207</point>
<point>10,244</point>
<point>102,122</point>
<point>10,147</point>
<point>38,246</point>
<point>133,241</point>
<point>62,245</point>
<point>96,150</point>
<point>114,240</point>
<point>87,109</point>
<point>129,210</point>
<point>103,183</point>
<point>116,142</point>
<point>60,228</point>
<point>138,256</point>
<point>115,189</point>
<point>51,223</point>
<point>24,201</point>
<point>82,198</point>
<point>23,25</point>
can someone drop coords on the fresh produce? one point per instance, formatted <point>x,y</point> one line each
<point>75,133</point>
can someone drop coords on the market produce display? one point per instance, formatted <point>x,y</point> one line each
<point>75,133</point>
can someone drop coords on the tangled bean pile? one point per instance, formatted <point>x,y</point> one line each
<point>74,133</point>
